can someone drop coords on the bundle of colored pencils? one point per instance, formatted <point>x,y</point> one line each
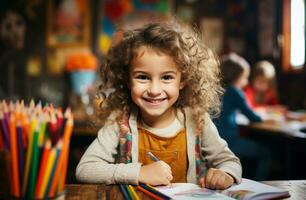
<point>129,192</point>
<point>37,139</point>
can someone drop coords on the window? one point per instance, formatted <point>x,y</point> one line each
<point>294,35</point>
<point>297,40</point>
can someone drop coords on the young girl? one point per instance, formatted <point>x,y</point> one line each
<point>261,91</point>
<point>235,72</point>
<point>164,82</point>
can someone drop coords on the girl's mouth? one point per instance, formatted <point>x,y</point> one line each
<point>154,101</point>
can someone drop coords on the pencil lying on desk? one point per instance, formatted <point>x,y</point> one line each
<point>154,191</point>
<point>154,196</point>
<point>134,194</point>
<point>124,192</point>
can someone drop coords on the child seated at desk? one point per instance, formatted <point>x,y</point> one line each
<point>235,73</point>
<point>166,81</point>
<point>261,90</point>
<point>261,93</point>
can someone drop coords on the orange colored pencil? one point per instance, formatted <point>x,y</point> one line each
<point>42,169</point>
<point>14,156</point>
<point>67,135</point>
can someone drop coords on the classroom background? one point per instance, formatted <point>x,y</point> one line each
<point>51,51</point>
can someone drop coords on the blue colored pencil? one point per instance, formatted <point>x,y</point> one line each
<point>124,192</point>
<point>129,192</point>
<point>152,156</point>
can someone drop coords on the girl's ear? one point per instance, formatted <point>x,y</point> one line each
<point>182,85</point>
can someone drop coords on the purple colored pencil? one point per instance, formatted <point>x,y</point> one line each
<point>5,134</point>
<point>20,153</point>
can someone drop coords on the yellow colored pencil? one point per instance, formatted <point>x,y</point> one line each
<point>57,172</point>
<point>135,196</point>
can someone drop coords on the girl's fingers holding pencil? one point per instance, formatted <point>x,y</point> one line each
<point>165,164</point>
<point>155,174</point>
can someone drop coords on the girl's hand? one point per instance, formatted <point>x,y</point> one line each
<point>157,173</point>
<point>216,179</point>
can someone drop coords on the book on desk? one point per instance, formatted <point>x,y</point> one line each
<point>246,190</point>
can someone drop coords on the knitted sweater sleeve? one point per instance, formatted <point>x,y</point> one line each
<point>97,165</point>
<point>217,153</point>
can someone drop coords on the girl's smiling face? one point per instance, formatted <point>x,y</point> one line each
<point>155,83</point>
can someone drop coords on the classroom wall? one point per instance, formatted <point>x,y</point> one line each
<point>241,28</point>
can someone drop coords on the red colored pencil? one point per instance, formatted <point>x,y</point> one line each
<point>14,156</point>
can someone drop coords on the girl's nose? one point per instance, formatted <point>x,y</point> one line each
<point>154,89</point>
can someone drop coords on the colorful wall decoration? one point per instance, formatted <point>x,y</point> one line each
<point>126,14</point>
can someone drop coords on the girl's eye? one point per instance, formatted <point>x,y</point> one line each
<point>142,77</point>
<point>167,77</point>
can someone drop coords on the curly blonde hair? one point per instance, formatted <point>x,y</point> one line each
<point>197,63</point>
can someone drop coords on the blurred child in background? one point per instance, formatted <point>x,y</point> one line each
<point>235,71</point>
<point>261,90</point>
<point>261,93</point>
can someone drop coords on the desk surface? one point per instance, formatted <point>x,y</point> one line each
<point>297,190</point>
<point>291,129</point>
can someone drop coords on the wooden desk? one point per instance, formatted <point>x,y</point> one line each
<point>297,190</point>
<point>286,140</point>
<point>288,129</point>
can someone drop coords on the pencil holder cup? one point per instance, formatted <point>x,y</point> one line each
<point>34,151</point>
<point>82,80</point>
<point>8,183</point>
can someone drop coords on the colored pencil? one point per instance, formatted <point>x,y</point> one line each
<point>124,192</point>
<point>34,124</point>
<point>129,192</point>
<point>135,195</point>
<point>47,175</point>
<point>58,151</point>
<point>67,135</point>
<point>34,166</point>
<point>154,191</point>
<point>43,166</point>
<point>57,173</point>
<point>5,131</point>
<point>20,153</point>
<point>154,196</point>
<point>14,156</point>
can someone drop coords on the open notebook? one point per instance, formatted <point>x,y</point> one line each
<point>247,190</point>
